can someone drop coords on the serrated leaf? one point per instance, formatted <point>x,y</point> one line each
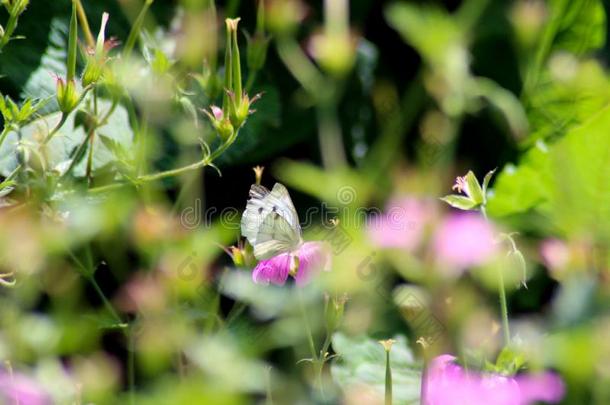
<point>67,140</point>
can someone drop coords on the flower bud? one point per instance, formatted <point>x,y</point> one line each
<point>237,256</point>
<point>220,122</point>
<point>92,72</point>
<point>284,16</point>
<point>67,95</point>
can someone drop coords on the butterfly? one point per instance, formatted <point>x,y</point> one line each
<point>270,222</point>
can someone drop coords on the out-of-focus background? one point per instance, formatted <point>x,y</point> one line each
<point>123,276</point>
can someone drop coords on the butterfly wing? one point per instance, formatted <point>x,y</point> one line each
<point>270,222</point>
<point>275,236</point>
<point>255,213</point>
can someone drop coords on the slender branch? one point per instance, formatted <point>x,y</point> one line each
<point>134,34</point>
<point>312,346</point>
<point>82,17</point>
<point>207,161</point>
<point>64,116</point>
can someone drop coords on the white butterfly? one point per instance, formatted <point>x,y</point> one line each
<point>270,222</point>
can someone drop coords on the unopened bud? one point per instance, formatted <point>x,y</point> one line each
<point>237,256</point>
<point>284,16</point>
<point>67,95</point>
<point>92,73</point>
<point>256,52</point>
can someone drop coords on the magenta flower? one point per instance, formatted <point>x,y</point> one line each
<point>446,382</point>
<point>310,257</point>
<point>464,240</point>
<point>555,253</point>
<point>21,389</point>
<point>402,224</point>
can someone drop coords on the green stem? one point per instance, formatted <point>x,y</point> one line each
<point>173,172</point>
<point>312,346</point>
<point>503,307</point>
<point>64,116</point>
<point>77,154</point>
<point>72,44</point>
<point>269,398</point>
<point>301,67</point>
<point>502,292</point>
<point>82,17</point>
<point>251,80</point>
<point>4,134</point>
<point>134,34</point>
<point>62,121</point>
<point>330,136</point>
<point>388,379</point>
<point>8,31</point>
<point>544,49</point>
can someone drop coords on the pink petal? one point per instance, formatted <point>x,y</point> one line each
<point>217,112</point>
<point>274,270</point>
<point>19,388</point>
<point>555,253</point>
<point>448,383</point>
<point>464,240</point>
<point>313,257</point>
<point>401,225</point>
<point>547,387</point>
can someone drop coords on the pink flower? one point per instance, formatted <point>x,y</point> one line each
<point>311,257</point>
<point>464,240</point>
<point>21,389</point>
<point>401,225</point>
<point>555,253</point>
<point>446,382</point>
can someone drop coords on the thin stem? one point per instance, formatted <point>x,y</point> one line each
<point>57,127</point>
<point>4,134</point>
<point>105,300</point>
<point>388,379</point>
<point>82,17</point>
<point>134,34</point>
<point>502,292</point>
<point>251,80</point>
<point>312,346</point>
<point>8,31</point>
<point>207,161</point>
<point>64,116</point>
<point>504,307</point>
<point>77,154</point>
<point>269,398</point>
<point>330,137</point>
<point>301,67</point>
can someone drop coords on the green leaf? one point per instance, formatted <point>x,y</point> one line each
<point>67,140</point>
<point>474,190</point>
<point>459,202</point>
<point>580,25</point>
<point>567,182</point>
<point>520,188</point>
<point>361,361</point>
<point>429,29</point>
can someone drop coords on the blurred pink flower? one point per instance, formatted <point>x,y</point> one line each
<point>464,240</point>
<point>555,253</point>
<point>312,257</point>
<point>401,225</point>
<point>21,389</point>
<point>448,383</point>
